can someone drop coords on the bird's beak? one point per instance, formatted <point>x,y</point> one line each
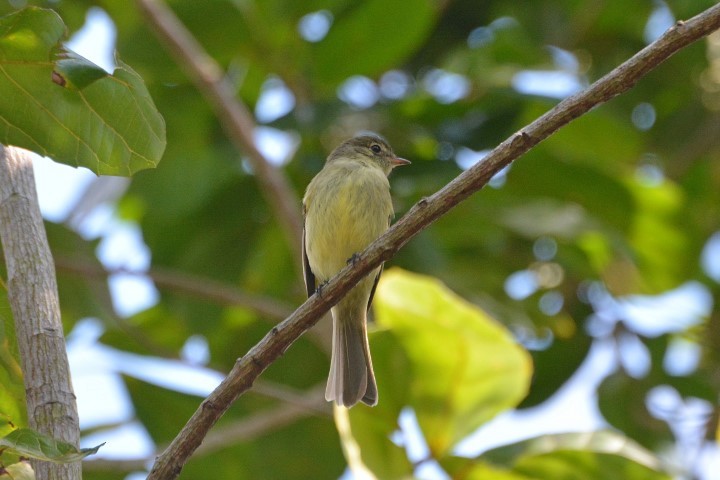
<point>397,161</point>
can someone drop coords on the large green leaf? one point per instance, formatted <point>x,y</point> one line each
<point>465,367</point>
<point>578,464</point>
<point>59,104</point>
<point>601,442</point>
<point>592,455</point>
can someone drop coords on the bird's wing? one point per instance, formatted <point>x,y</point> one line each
<point>377,277</point>
<point>307,272</point>
<point>372,292</point>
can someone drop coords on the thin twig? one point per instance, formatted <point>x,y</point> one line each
<point>180,282</point>
<point>312,400</point>
<point>304,405</point>
<point>233,114</point>
<point>267,421</point>
<point>200,287</point>
<point>249,367</point>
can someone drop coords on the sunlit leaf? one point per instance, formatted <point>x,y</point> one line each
<point>576,464</point>
<point>17,471</point>
<point>597,455</point>
<point>29,443</point>
<point>465,368</point>
<point>60,105</point>
<point>471,469</point>
<point>600,442</point>
<point>592,455</point>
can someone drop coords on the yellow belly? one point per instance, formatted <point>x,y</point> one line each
<point>344,215</point>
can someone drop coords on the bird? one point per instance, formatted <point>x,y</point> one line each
<point>346,206</point>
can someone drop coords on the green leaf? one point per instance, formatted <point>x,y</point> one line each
<point>61,105</point>
<point>601,442</point>
<point>576,464</point>
<point>465,367</point>
<point>472,469</point>
<point>29,443</point>
<point>597,455</point>
<point>74,71</point>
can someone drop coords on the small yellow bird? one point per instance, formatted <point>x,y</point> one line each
<point>346,207</point>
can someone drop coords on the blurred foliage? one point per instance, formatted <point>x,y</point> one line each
<point>613,211</point>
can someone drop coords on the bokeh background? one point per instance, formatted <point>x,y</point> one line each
<point>598,251</point>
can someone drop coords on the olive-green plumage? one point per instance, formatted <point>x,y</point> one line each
<point>346,207</point>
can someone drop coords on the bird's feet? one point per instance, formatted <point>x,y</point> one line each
<point>354,259</point>
<point>319,289</point>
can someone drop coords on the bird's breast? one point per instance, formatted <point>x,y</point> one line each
<point>344,215</point>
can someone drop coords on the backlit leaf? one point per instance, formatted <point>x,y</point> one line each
<point>465,367</point>
<point>60,105</point>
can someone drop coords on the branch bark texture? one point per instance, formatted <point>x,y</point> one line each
<point>233,114</point>
<point>425,212</point>
<point>32,290</point>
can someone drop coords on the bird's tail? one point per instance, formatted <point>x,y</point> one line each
<point>351,376</point>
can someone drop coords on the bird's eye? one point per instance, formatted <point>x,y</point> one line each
<point>375,148</point>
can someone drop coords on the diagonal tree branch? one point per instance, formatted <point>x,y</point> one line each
<point>233,114</point>
<point>428,210</point>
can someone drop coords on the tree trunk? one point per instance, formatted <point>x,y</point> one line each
<point>32,291</point>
